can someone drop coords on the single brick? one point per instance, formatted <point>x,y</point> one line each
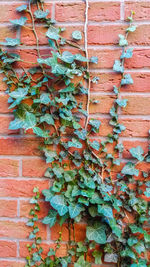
<point>70,12</point>
<point>4,125</point>
<point>8,249</point>
<point>8,208</point>
<point>141,9</point>
<point>100,11</point>
<point>4,104</point>
<point>17,263</point>
<point>34,167</point>
<point>135,127</point>
<point>9,167</point>
<point>137,105</point>
<point>104,105</point>
<point>129,144</point>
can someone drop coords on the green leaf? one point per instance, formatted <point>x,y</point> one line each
<point>19,22</point>
<point>139,247</point>
<point>51,218</point>
<point>50,156</point>
<point>16,124</point>
<point>127,54</point>
<point>122,40</point>
<point>129,169</point>
<point>126,79</point>
<point>48,194</point>
<point>137,152</point>
<point>94,60</point>
<point>95,123</point>
<point>98,256</point>
<point>106,210</point>
<point>111,257</point>
<point>53,33</point>
<point>132,241</point>
<point>75,210</point>
<point>74,143</point>
<point>30,121</point>
<point>38,131</point>
<point>82,263</point>
<point>67,57</point>
<point>118,67</point>
<point>147,192</point>
<point>76,35</point>
<point>47,118</point>
<point>79,57</point>
<point>115,228</point>
<point>44,98</point>
<point>19,93</point>
<point>40,14</point>
<point>36,257</point>
<point>21,8</point>
<point>68,89</point>
<point>69,175</point>
<point>128,253</point>
<point>131,28</point>
<point>95,144</point>
<point>96,233</point>
<point>11,42</point>
<point>81,134</point>
<point>59,204</point>
<point>135,229</point>
<point>122,102</point>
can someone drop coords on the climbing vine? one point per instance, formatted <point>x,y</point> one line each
<point>86,185</point>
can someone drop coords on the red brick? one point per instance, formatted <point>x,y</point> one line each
<point>19,230</point>
<point>140,59</point>
<point>8,249</point>
<point>137,105</point>
<point>80,230</point>
<point>135,127</point>
<point>3,85</point>
<point>20,188</point>
<point>10,263</point>
<point>106,57</point>
<point>104,106</point>
<point>34,167</point>
<point>129,144</point>
<point>8,12</point>
<point>25,207</point>
<point>8,208</point>
<point>4,104</point>
<point>19,146</point>
<point>141,9</point>
<point>100,11</point>
<point>6,31</point>
<point>9,167</point>
<point>70,12</point>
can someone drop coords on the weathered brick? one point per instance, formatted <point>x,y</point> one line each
<point>8,249</point>
<point>141,9</point>
<point>104,105</point>
<point>10,263</point>
<point>129,144</point>
<point>4,104</point>
<point>6,31</point>
<point>34,167</point>
<point>70,12</point>
<point>8,208</point>
<point>135,127</point>
<point>100,11</point>
<point>4,125</point>
<point>9,167</point>
<point>137,105</point>
<point>20,188</point>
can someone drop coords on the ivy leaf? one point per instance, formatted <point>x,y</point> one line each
<point>94,60</point>
<point>74,210</point>
<point>126,79</point>
<point>95,124</point>
<point>50,156</point>
<point>40,14</point>
<point>147,192</point>
<point>36,257</point>
<point>111,257</point>
<point>122,40</point>
<point>53,33</point>
<point>131,28</point>
<point>95,144</point>
<point>30,121</point>
<point>128,253</point>
<point>106,210</point>
<point>48,194</point>
<point>69,175</point>
<point>51,218</point>
<point>11,42</point>
<point>59,204</point>
<point>16,124</point>
<point>68,89</point>
<point>118,67</point>
<point>67,57</point>
<point>129,169</point>
<point>79,57</point>
<point>76,35</point>
<point>19,93</point>
<point>135,229</point>
<point>98,256</point>
<point>122,102</point>
<point>96,233</point>
<point>38,131</point>
<point>21,8</point>
<point>74,143</point>
<point>44,98</point>
<point>137,152</point>
<point>127,54</point>
<point>81,134</point>
<point>132,241</point>
<point>19,22</point>
<point>139,247</point>
<point>115,228</point>
<point>48,119</point>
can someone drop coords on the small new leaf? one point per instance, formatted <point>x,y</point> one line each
<point>76,35</point>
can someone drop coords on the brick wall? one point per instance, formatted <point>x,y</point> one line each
<point>21,167</point>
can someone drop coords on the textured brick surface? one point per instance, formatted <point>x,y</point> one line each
<point>21,168</point>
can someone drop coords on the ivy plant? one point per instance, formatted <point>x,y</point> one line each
<point>47,101</point>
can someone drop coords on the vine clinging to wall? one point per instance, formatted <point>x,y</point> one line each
<point>47,100</point>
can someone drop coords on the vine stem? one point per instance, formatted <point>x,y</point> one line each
<point>87,56</point>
